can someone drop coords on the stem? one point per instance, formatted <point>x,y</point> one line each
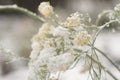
<point>108,59</point>
<point>95,57</point>
<point>22,10</point>
<point>96,35</point>
<point>102,67</point>
<point>101,28</point>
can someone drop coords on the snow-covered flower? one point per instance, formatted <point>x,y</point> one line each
<point>44,56</point>
<point>36,46</point>
<point>49,43</point>
<point>61,32</point>
<point>73,20</point>
<point>52,46</point>
<point>43,32</point>
<point>117,7</point>
<point>46,27</point>
<point>34,54</point>
<point>61,62</point>
<point>46,9</point>
<point>82,38</point>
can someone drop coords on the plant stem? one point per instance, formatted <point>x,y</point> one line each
<point>108,58</point>
<point>96,35</point>
<point>102,67</point>
<point>101,28</point>
<point>22,10</point>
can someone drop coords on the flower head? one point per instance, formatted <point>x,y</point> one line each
<point>53,47</point>
<point>117,7</point>
<point>82,38</point>
<point>73,20</point>
<point>46,27</point>
<point>43,31</point>
<point>61,32</point>
<point>61,62</point>
<point>46,9</point>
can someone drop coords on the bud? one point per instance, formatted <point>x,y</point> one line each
<point>46,9</point>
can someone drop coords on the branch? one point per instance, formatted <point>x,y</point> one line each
<point>108,59</point>
<point>22,10</point>
<point>101,28</point>
<point>102,67</point>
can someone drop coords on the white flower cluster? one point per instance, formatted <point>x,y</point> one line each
<point>53,47</point>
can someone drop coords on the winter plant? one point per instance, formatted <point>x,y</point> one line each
<point>60,46</point>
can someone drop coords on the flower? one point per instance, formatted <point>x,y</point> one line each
<point>44,56</point>
<point>117,7</point>
<point>37,47</point>
<point>39,39</point>
<point>82,38</point>
<point>43,31</point>
<point>73,20</point>
<point>49,43</point>
<point>46,27</point>
<point>52,46</point>
<point>61,62</point>
<point>61,32</point>
<point>46,9</point>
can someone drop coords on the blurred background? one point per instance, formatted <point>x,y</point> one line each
<point>17,29</point>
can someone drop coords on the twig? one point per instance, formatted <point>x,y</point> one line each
<point>108,58</point>
<point>103,67</point>
<point>101,28</point>
<point>22,10</point>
